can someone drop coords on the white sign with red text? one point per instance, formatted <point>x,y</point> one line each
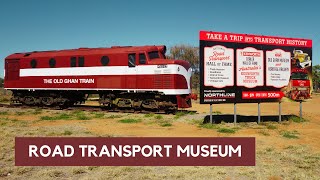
<point>278,68</point>
<point>218,66</point>
<point>249,67</point>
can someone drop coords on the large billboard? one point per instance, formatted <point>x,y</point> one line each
<point>239,68</point>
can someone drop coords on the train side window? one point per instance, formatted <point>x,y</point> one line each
<point>142,58</point>
<point>33,63</point>
<point>73,61</point>
<point>153,55</point>
<point>52,63</point>
<point>81,62</point>
<point>104,60</point>
<point>132,60</point>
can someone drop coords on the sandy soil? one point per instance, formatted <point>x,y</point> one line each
<point>277,157</point>
<point>309,131</point>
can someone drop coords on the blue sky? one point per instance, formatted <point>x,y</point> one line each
<point>49,25</point>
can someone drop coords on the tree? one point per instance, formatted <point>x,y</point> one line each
<point>1,82</point>
<point>186,52</point>
<point>190,54</point>
<point>316,76</point>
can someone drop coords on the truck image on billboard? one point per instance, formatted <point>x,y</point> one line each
<point>243,68</point>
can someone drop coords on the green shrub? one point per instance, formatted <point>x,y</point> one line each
<point>270,126</point>
<point>149,115</point>
<point>158,117</point>
<point>114,116</point>
<point>98,115</point>
<point>208,126</point>
<point>226,130</point>
<point>129,120</point>
<point>166,124</point>
<point>192,112</point>
<point>83,117</point>
<point>47,118</point>
<point>290,134</point>
<point>20,113</point>
<point>265,133</point>
<point>67,133</point>
<point>180,114</point>
<point>296,119</point>
<point>4,113</point>
<point>77,112</point>
<point>62,116</point>
<point>37,111</point>
<point>183,113</point>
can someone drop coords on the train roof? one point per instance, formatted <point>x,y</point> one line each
<point>86,51</point>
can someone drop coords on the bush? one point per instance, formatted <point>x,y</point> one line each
<point>180,114</point>
<point>208,126</point>
<point>166,124</point>
<point>265,133</point>
<point>296,119</point>
<point>129,120</point>
<point>270,126</point>
<point>290,134</point>
<point>226,130</point>
<point>158,117</point>
<point>4,113</point>
<point>149,115</point>
<point>98,115</point>
<point>114,116</point>
<point>83,117</point>
<point>62,116</point>
<point>20,113</point>
<point>37,111</point>
<point>67,133</point>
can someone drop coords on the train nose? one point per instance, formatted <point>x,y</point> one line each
<point>183,63</point>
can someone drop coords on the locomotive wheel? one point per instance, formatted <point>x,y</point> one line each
<point>47,101</point>
<point>150,104</point>
<point>29,100</point>
<point>64,105</point>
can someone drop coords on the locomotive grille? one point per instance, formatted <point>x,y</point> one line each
<point>163,80</point>
<point>167,79</point>
<point>157,79</point>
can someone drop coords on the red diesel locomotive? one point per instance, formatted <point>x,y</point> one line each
<point>124,77</point>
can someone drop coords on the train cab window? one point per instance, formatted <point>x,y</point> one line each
<point>132,60</point>
<point>33,63</point>
<point>52,63</point>
<point>73,61</point>
<point>153,55</point>
<point>104,60</point>
<point>142,58</point>
<point>81,61</point>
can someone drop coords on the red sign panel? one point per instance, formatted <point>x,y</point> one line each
<point>76,151</point>
<point>254,39</point>
<point>246,68</point>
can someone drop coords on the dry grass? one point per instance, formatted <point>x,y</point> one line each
<point>290,162</point>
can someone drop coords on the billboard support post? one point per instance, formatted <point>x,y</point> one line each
<point>235,113</point>
<point>279,111</point>
<point>300,111</point>
<point>211,113</point>
<point>258,112</point>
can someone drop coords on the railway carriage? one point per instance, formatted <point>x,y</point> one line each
<point>137,77</point>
